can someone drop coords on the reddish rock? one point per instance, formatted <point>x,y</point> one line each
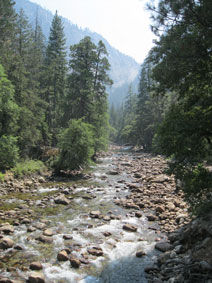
<point>62,256</point>
<point>96,251</point>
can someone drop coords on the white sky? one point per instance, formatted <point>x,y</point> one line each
<point>124,23</point>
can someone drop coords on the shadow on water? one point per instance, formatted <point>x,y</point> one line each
<point>129,269</point>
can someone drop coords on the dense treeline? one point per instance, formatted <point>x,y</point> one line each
<point>173,113</point>
<point>47,99</point>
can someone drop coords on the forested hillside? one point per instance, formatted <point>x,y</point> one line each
<point>172,112</point>
<point>50,97</point>
<point>124,69</point>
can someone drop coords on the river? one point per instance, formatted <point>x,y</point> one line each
<point>91,221</point>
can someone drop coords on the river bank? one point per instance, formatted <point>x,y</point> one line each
<point>122,220</point>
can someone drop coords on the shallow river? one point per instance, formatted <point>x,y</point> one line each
<point>119,263</point>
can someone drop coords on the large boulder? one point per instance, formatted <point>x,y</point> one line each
<point>36,278</point>
<point>62,200</point>
<point>6,243</point>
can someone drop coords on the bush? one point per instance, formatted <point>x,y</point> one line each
<point>9,152</point>
<point>76,144</point>
<point>27,168</point>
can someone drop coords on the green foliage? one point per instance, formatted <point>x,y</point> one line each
<point>54,77</point>
<point>8,108</point>
<point>76,144</point>
<point>87,83</point>
<point>27,168</point>
<point>2,176</point>
<point>9,152</point>
<point>182,66</point>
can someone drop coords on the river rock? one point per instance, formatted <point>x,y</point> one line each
<point>36,278</point>
<point>140,253</point>
<point>36,266</point>
<point>152,217</point>
<point>25,221</point>
<point>205,266</point>
<point>45,239</point>
<point>160,209</point>
<point>150,268</point>
<point>75,262</point>
<point>67,237</point>
<point>18,248</point>
<point>62,256</point>
<point>31,229</point>
<point>107,234</point>
<point>113,172</point>
<point>62,200</point>
<point>129,228</point>
<point>6,243</point>
<point>138,214</point>
<point>48,232</point>
<point>163,246</point>
<point>106,218</point>
<point>7,229</point>
<point>95,214</point>
<point>7,280</point>
<point>96,251</point>
<point>170,206</point>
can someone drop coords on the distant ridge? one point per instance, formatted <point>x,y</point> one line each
<point>124,69</point>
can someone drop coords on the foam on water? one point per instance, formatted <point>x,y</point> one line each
<point>45,190</point>
<point>62,272</point>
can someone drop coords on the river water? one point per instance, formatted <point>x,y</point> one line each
<point>119,263</point>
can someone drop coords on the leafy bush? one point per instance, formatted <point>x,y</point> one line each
<point>76,144</point>
<point>9,152</point>
<point>27,168</point>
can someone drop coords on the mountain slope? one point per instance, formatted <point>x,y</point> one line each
<point>124,69</point>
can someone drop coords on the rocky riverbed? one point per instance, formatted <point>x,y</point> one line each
<point>123,221</point>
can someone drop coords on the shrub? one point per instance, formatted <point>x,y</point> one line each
<point>76,144</point>
<point>29,167</point>
<point>9,152</point>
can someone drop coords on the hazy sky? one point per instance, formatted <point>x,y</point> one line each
<point>124,23</point>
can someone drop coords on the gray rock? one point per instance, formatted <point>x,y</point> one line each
<point>205,266</point>
<point>62,200</point>
<point>163,246</point>
<point>45,239</point>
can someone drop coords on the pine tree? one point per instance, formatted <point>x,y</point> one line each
<point>183,67</point>
<point>7,31</point>
<point>9,113</point>
<point>23,73</point>
<point>55,77</point>
<point>87,83</point>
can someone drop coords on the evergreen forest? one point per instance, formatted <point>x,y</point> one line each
<point>51,101</point>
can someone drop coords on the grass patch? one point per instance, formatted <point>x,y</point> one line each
<point>2,175</point>
<point>27,168</point>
